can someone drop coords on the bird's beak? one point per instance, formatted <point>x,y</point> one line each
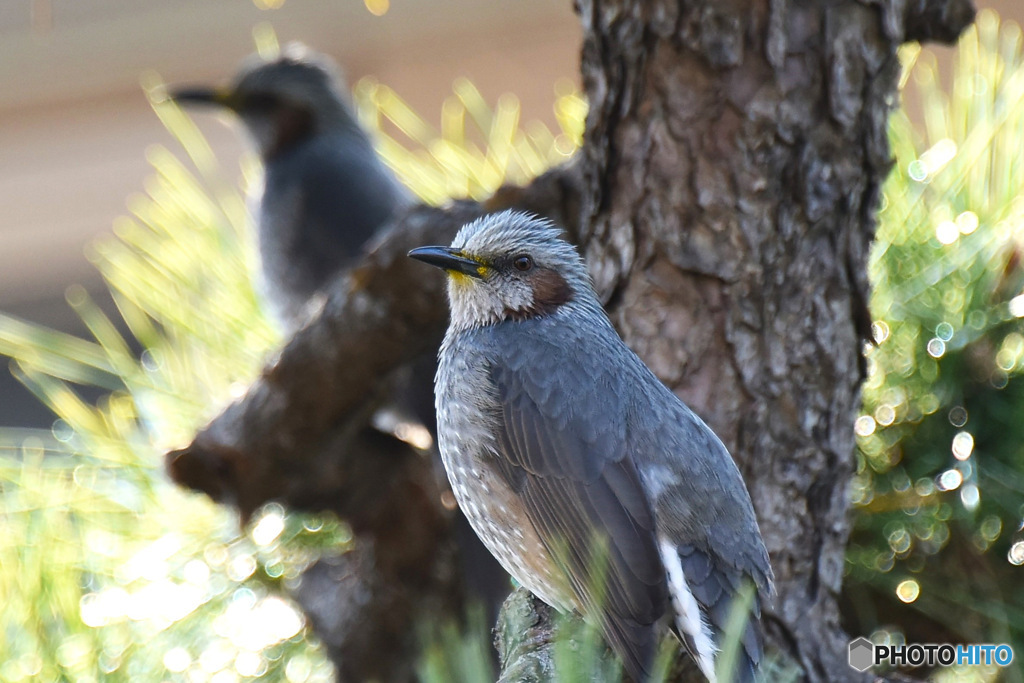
<point>201,95</point>
<point>449,259</point>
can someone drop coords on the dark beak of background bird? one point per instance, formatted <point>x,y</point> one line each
<point>448,259</point>
<point>202,95</point>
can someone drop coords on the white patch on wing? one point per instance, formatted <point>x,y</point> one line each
<point>689,618</point>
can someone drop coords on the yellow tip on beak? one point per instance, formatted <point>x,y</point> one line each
<point>453,261</point>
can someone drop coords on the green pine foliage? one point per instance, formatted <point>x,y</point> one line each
<point>939,492</point>
<point>110,572</point>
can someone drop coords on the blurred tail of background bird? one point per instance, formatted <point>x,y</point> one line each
<point>325,195</point>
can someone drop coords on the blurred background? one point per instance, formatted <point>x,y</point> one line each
<point>75,123</point>
<point>107,572</point>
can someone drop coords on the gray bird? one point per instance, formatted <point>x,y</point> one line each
<point>573,462</point>
<point>325,190</point>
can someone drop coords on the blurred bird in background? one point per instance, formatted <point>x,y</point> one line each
<point>325,194</point>
<point>325,191</point>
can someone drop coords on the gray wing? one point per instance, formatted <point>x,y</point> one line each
<point>706,513</point>
<point>322,201</point>
<point>349,195</point>
<point>565,457</point>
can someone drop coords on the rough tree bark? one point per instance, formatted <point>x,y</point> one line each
<point>724,199</point>
<point>734,155</point>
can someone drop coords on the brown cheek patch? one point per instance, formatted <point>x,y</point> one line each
<point>550,291</point>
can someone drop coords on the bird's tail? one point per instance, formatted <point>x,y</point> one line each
<point>739,659</point>
<point>717,615</point>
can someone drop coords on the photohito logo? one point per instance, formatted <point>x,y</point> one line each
<point>864,654</point>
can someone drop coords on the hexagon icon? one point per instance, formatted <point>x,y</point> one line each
<point>862,654</point>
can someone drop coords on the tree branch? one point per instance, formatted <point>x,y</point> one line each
<point>324,384</point>
<point>525,636</point>
<point>530,637</point>
<point>939,21</point>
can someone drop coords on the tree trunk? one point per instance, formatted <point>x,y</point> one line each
<point>724,200</point>
<point>732,165</point>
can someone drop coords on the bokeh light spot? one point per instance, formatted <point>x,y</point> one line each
<point>241,568</point>
<point>177,659</point>
<point>970,496</point>
<point>958,416</point>
<point>72,653</point>
<point>938,155</point>
<point>1016,553</point>
<point>950,480</point>
<point>377,8</point>
<point>947,232</point>
<point>977,320</point>
<point>885,415</point>
<point>908,590</point>
<point>1017,306</point>
<point>991,528</point>
<point>62,431</point>
<point>924,487</point>
<point>967,222</point>
<point>215,554</point>
<point>899,541</point>
<point>864,426</point>
<point>917,170</point>
<point>880,331</point>
<point>297,670</point>
<point>250,664</point>
<point>269,527</point>
<point>196,572</point>
<point>963,445</point>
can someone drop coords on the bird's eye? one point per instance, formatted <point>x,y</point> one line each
<point>523,263</point>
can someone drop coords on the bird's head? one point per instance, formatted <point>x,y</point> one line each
<point>281,101</point>
<point>508,266</point>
